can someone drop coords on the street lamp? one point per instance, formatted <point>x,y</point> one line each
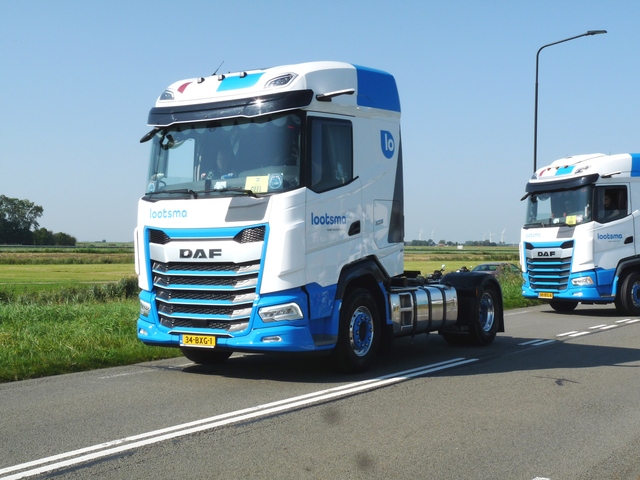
<point>535,119</point>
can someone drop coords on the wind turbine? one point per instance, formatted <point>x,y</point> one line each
<point>420,235</point>
<point>502,236</point>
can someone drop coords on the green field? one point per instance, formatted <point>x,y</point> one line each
<point>23,278</point>
<point>73,310</point>
<point>428,259</point>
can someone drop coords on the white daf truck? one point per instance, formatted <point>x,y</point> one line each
<point>578,243</point>
<point>273,222</point>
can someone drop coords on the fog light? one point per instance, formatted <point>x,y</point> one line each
<point>142,331</point>
<point>273,339</point>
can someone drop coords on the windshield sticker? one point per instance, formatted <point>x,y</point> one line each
<point>258,184</point>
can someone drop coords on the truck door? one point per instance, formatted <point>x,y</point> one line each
<point>614,231</point>
<point>334,205</point>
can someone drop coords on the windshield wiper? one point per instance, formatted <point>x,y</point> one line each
<point>188,191</point>
<point>194,193</point>
<point>240,190</point>
<point>536,224</point>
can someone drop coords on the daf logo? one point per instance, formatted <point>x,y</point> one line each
<point>546,254</point>
<point>200,253</point>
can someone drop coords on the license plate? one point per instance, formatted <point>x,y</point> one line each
<point>198,341</point>
<point>545,295</point>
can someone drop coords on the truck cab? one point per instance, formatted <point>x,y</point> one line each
<point>272,221</point>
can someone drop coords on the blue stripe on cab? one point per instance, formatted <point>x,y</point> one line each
<point>565,170</point>
<point>236,82</point>
<point>635,164</point>
<point>377,89</point>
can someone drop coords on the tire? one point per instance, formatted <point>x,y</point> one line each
<point>560,306</point>
<point>484,325</point>
<point>205,356</point>
<point>630,294</point>
<point>359,333</point>
<point>484,312</point>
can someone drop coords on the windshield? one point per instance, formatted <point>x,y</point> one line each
<point>259,155</point>
<point>566,207</point>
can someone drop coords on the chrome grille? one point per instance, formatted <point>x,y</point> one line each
<point>195,323</point>
<point>208,294</point>
<point>549,274</point>
<point>175,280</point>
<point>167,295</point>
<point>205,267</point>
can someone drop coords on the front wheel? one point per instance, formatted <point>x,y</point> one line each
<point>630,294</point>
<point>359,332</point>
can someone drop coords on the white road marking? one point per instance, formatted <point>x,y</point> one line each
<point>567,333</point>
<point>544,342</point>
<point>578,334</point>
<point>537,342</point>
<point>530,342</point>
<point>93,452</point>
<point>603,326</point>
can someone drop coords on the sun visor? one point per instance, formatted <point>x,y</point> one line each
<point>564,184</point>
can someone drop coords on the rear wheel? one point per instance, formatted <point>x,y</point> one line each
<point>630,294</point>
<point>560,306</point>
<point>205,356</point>
<point>484,327</point>
<point>484,322</point>
<point>359,332</point>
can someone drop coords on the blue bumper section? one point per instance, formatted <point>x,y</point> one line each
<point>604,283</point>
<point>303,335</point>
<point>277,338</point>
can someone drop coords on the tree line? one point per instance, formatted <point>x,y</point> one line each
<point>19,225</point>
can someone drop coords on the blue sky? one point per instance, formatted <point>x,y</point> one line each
<point>79,77</point>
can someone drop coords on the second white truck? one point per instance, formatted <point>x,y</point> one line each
<point>579,241</point>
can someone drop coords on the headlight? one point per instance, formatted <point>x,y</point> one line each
<point>145,308</point>
<point>278,313</point>
<point>582,281</point>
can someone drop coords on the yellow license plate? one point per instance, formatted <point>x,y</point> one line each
<point>545,295</point>
<point>198,340</point>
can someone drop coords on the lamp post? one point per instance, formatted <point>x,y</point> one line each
<point>535,118</point>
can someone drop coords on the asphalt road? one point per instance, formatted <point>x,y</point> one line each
<point>555,397</point>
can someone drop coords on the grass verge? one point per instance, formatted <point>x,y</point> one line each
<point>71,330</point>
